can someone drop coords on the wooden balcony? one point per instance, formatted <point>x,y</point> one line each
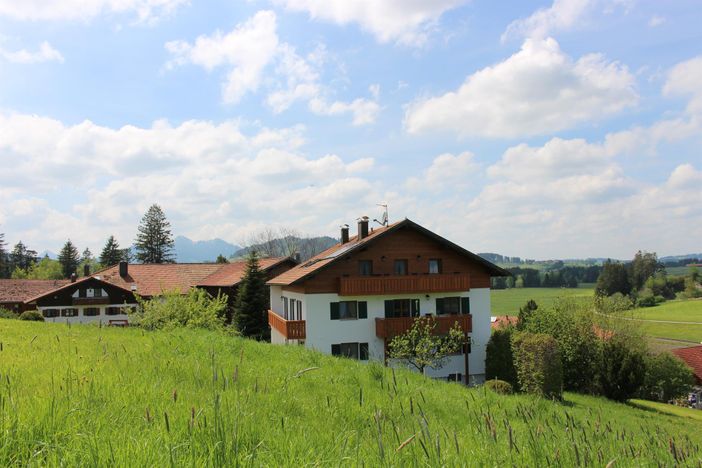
<point>91,300</point>
<point>290,329</point>
<point>388,328</point>
<point>381,285</point>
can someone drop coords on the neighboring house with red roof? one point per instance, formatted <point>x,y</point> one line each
<point>106,295</point>
<point>692,356</point>
<point>503,321</point>
<point>354,297</point>
<point>15,292</point>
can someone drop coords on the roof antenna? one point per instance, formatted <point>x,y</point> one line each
<point>384,218</point>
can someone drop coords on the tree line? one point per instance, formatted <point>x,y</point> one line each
<point>559,277</point>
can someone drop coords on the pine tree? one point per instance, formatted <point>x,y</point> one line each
<point>21,257</point>
<point>251,306</point>
<point>69,259</point>
<point>154,242</point>
<point>3,257</point>
<point>111,254</point>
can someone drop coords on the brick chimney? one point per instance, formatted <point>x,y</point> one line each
<point>362,227</point>
<point>344,233</point>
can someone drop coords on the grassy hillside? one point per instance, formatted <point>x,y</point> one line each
<point>508,301</point>
<point>84,395</point>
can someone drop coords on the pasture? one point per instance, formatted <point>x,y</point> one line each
<point>82,395</point>
<point>508,301</point>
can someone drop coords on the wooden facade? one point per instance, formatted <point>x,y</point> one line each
<point>380,285</point>
<point>64,297</point>
<point>388,328</point>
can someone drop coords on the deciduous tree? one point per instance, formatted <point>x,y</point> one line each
<point>613,279</point>
<point>421,347</point>
<point>154,242</point>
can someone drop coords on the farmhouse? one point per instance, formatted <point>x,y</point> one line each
<point>106,295</point>
<point>15,292</point>
<point>692,356</point>
<point>354,297</point>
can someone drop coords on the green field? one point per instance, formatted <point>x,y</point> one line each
<point>668,409</point>
<point>84,395</point>
<point>508,301</point>
<point>678,311</point>
<point>678,271</point>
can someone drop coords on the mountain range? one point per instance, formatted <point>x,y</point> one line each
<point>190,251</point>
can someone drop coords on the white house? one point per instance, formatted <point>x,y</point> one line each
<point>354,297</point>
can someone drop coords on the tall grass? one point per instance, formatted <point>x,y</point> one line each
<point>84,395</point>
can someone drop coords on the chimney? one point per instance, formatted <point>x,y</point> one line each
<point>344,233</point>
<point>73,277</point>
<point>363,227</point>
<point>296,257</point>
<point>86,269</point>
<point>123,269</point>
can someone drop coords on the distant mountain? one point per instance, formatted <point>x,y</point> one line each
<point>675,258</point>
<point>189,251</point>
<point>307,247</point>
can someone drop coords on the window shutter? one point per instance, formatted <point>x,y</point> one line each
<point>336,350</point>
<point>362,309</point>
<point>439,305</point>
<point>414,305</point>
<point>388,308</point>
<point>363,351</point>
<point>465,305</point>
<point>334,311</point>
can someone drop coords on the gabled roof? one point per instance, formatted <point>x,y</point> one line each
<point>338,251</point>
<point>68,284</point>
<point>19,290</point>
<point>231,273</point>
<point>693,358</point>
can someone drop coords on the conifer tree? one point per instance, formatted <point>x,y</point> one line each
<point>154,241</point>
<point>21,257</point>
<point>69,259</point>
<point>3,257</point>
<point>251,306</point>
<point>111,254</point>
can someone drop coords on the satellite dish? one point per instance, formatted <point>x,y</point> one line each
<point>384,217</point>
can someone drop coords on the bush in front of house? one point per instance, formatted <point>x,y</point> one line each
<point>500,386</point>
<point>197,309</point>
<point>538,362</point>
<point>499,359</point>
<point>667,378</point>
<point>32,315</point>
<point>7,314</point>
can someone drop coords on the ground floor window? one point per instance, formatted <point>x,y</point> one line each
<point>455,378</point>
<point>357,351</point>
<point>114,311</point>
<point>49,313</point>
<point>69,312</point>
<point>91,311</point>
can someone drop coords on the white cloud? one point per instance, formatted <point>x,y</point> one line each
<point>447,172</point>
<point>402,21</point>
<point>364,111</point>
<point>684,79</point>
<point>46,53</point>
<point>538,90</point>
<point>145,11</point>
<point>656,20</point>
<point>247,50</point>
<point>212,179</point>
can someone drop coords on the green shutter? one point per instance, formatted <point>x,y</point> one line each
<point>362,309</point>
<point>388,308</point>
<point>439,305</point>
<point>414,307</point>
<point>334,311</point>
<point>336,350</point>
<point>363,351</point>
<point>465,305</point>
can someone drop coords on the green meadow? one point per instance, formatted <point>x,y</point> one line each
<point>508,301</point>
<point>84,395</point>
<point>674,311</point>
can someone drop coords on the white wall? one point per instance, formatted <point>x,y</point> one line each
<point>322,332</point>
<point>82,318</point>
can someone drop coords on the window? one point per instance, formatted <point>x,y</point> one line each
<point>97,292</point>
<point>452,305</point>
<point>401,308</point>
<point>49,313</point>
<point>299,310</point>
<point>365,267</point>
<point>455,378</point>
<point>82,292</point>
<point>91,311</point>
<point>114,311</point>
<point>434,266</point>
<point>69,312</point>
<point>400,267</point>
<point>348,310</point>
<point>357,351</point>
<point>285,308</point>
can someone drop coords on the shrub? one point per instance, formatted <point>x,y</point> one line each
<point>197,309</point>
<point>32,315</point>
<point>7,314</point>
<point>666,378</point>
<point>499,359</point>
<point>622,369</point>
<point>538,362</point>
<point>499,386</point>
<point>648,299</point>
<point>617,302</point>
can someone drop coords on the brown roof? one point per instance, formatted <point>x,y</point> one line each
<point>335,252</point>
<point>503,321</point>
<point>231,273</point>
<point>19,290</point>
<point>693,358</point>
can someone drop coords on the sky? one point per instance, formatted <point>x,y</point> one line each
<point>562,129</point>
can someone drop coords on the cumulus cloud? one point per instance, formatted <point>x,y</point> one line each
<point>539,90</point>
<point>212,179</point>
<point>255,57</point>
<point>446,172</point>
<point>46,53</point>
<point>684,79</point>
<point>144,11</point>
<point>401,21</point>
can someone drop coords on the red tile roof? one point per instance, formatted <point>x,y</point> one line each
<point>693,358</point>
<point>334,252</point>
<point>19,290</point>
<point>503,321</point>
<point>231,273</point>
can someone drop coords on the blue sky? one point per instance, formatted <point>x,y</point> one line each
<point>539,129</point>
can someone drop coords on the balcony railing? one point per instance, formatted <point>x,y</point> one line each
<point>290,329</point>
<point>380,285</point>
<point>91,300</point>
<point>390,327</point>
